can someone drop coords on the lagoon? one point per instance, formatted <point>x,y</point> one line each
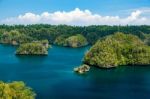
<point>52,76</point>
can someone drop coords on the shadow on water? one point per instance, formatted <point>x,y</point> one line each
<point>32,59</point>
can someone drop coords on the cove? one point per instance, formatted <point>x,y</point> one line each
<point>52,76</point>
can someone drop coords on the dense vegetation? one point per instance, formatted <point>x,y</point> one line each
<point>15,90</point>
<point>118,49</point>
<point>33,48</point>
<point>14,37</point>
<point>147,39</point>
<point>72,41</point>
<point>52,32</point>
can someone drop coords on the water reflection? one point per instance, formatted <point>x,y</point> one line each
<point>31,59</point>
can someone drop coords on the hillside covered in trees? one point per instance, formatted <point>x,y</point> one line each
<point>72,41</point>
<point>118,49</point>
<point>34,48</point>
<point>56,34</point>
<point>15,90</point>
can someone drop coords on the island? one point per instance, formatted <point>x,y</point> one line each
<point>14,37</point>
<point>82,69</point>
<point>72,41</point>
<point>116,50</point>
<point>34,48</point>
<point>16,90</point>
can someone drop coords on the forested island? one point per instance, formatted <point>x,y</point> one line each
<point>72,41</point>
<point>15,90</point>
<point>34,48</point>
<point>14,37</point>
<point>118,49</point>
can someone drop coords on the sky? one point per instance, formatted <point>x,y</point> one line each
<point>75,12</point>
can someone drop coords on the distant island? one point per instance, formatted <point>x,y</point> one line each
<point>33,48</point>
<point>14,37</point>
<point>64,35</point>
<point>72,41</point>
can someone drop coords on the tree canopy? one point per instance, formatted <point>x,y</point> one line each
<point>118,49</point>
<point>52,32</point>
<point>14,37</point>
<point>33,48</point>
<point>15,90</point>
<point>72,41</point>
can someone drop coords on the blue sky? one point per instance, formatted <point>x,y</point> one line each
<point>121,8</point>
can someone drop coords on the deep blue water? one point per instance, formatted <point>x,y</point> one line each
<point>52,76</point>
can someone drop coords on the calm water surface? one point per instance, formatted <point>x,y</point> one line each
<point>52,77</point>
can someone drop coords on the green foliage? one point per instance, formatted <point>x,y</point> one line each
<point>14,37</point>
<point>53,32</point>
<point>76,41</point>
<point>72,41</point>
<point>147,39</point>
<point>15,90</point>
<point>60,40</point>
<point>34,48</point>
<point>1,33</point>
<point>118,49</point>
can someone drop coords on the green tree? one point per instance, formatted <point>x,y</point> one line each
<point>118,49</point>
<point>16,90</point>
<point>34,48</point>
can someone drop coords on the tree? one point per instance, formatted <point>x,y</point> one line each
<point>16,90</point>
<point>118,49</point>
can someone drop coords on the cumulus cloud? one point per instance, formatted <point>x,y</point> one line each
<point>78,17</point>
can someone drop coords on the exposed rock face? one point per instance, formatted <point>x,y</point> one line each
<point>118,49</point>
<point>15,43</point>
<point>82,69</point>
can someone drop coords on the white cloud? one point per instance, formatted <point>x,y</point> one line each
<point>79,17</point>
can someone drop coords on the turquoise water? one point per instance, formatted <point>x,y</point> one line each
<point>51,77</point>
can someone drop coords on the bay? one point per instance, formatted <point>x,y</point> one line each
<point>52,76</point>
